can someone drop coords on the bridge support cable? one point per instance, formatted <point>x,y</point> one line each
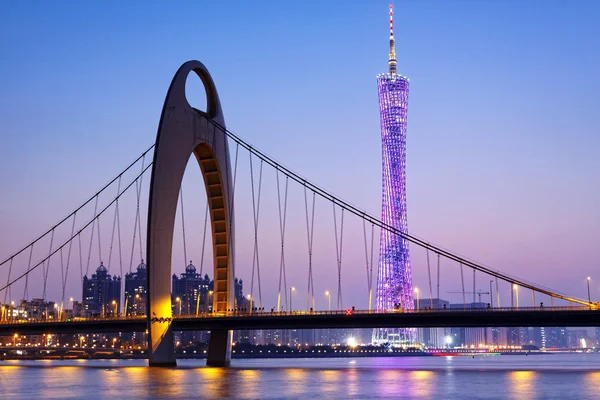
<point>99,244</point>
<point>256,213</point>
<point>26,290</point>
<point>438,276</point>
<point>112,235</point>
<point>429,275</point>
<point>7,290</point>
<point>369,262</point>
<point>310,229</point>
<point>63,283</point>
<point>409,237</point>
<point>371,271</point>
<point>87,266</point>
<point>462,282</point>
<point>47,267</point>
<point>474,287</point>
<point>231,208</point>
<point>137,230</point>
<point>66,273</point>
<point>282,221</point>
<point>139,218</point>
<point>137,227</point>
<point>202,252</point>
<point>339,252</point>
<point>77,209</point>
<point>66,242</point>
<point>185,258</point>
<point>203,238</point>
<point>80,256</point>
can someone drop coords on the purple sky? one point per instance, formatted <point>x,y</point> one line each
<point>503,126</point>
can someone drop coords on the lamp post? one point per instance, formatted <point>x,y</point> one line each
<point>589,295</point>
<point>417,294</point>
<point>292,289</point>
<point>56,308</point>
<point>328,294</point>
<point>72,306</point>
<point>249,297</point>
<point>114,303</point>
<point>210,293</point>
<point>491,295</point>
<point>135,304</point>
<point>516,289</point>
<point>178,300</point>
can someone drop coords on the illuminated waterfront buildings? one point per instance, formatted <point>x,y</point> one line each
<point>101,293</point>
<point>135,291</point>
<point>394,280</point>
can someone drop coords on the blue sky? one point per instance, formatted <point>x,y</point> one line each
<point>503,122</point>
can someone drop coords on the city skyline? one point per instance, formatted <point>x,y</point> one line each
<point>461,184</point>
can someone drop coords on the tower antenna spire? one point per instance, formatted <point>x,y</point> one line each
<point>392,60</point>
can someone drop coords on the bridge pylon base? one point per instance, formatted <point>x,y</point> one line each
<point>164,354</point>
<point>219,348</point>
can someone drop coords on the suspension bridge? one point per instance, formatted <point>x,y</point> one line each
<point>79,240</point>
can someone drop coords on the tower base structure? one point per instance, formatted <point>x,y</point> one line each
<point>219,348</point>
<point>185,131</point>
<point>164,354</point>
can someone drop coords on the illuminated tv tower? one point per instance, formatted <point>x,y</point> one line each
<point>394,280</point>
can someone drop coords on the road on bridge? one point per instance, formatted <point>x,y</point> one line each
<point>506,317</point>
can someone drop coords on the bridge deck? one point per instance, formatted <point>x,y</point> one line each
<point>527,317</point>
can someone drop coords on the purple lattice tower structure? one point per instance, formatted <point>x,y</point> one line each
<point>394,280</point>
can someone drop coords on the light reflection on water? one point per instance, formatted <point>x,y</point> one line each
<point>508,377</point>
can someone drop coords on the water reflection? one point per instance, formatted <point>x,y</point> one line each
<point>421,383</point>
<point>307,380</point>
<point>522,383</point>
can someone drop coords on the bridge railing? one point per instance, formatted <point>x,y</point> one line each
<point>71,320</point>
<point>350,312</point>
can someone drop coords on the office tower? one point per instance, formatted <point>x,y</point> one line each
<point>101,293</point>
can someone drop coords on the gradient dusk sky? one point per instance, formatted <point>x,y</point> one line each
<point>503,148</point>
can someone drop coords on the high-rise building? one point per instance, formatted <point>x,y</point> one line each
<point>556,337</point>
<point>135,291</point>
<point>101,293</point>
<point>394,280</point>
<point>191,291</point>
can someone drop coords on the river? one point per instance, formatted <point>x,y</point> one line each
<point>557,376</point>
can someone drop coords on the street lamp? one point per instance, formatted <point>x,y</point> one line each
<point>178,300</point>
<point>249,297</point>
<point>72,306</point>
<point>135,305</point>
<point>292,289</point>
<point>417,293</point>
<point>328,294</point>
<point>516,289</point>
<point>12,307</point>
<point>588,285</point>
<point>114,303</point>
<point>210,293</point>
